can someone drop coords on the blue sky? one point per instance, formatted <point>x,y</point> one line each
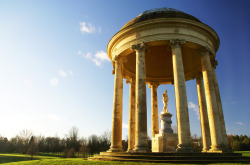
<point>54,72</point>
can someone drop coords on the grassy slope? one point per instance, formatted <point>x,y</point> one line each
<point>6,158</point>
<point>22,159</point>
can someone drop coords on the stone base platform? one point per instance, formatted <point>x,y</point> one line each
<point>173,157</point>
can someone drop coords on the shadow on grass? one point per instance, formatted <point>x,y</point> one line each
<point>49,154</point>
<point>8,159</point>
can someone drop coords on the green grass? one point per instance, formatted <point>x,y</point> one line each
<point>244,153</point>
<point>7,158</point>
<point>51,159</point>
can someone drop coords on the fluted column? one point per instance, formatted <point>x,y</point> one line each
<point>205,132</point>
<point>131,128</point>
<point>221,116</point>
<point>212,107</point>
<point>184,137</point>
<point>141,139</point>
<point>154,109</point>
<point>116,136</point>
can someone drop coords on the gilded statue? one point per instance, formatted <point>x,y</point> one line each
<point>165,101</point>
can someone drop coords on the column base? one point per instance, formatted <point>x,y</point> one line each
<point>217,148</point>
<point>184,148</point>
<point>204,150</point>
<point>115,149</point>
<point>220,149</point>
<point>129,150</point>
<point>141,149</point>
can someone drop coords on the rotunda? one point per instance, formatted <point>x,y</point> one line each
<point>166,46</point>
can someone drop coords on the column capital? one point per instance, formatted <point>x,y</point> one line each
<point>130,80</point>
<point>199,75</point>
<point>203,51</point>
<point>214,63</point>
<point>119,59</point>
<point>176,42</point>
<point>139,46</point>
<point>153,84</point>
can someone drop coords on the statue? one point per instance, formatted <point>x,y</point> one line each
<point>165,101</point>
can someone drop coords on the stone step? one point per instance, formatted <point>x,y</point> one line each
<point>173,157</point>
<point>198,161</point>
<point>171,154</point>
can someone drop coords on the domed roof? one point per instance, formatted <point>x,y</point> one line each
<point>159,13</point>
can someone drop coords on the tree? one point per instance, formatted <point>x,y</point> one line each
<point>32,147</point>
<point>105,141</point>
<point>24,137</point>
<point>71,153</point>
<point>93,144</point>
<point>4,144</point>
<point>72,140</point>
<point>84,150</point>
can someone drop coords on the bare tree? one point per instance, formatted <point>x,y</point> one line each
<point>73,139</point>
<point>24,137</point>
<point>33,147</point>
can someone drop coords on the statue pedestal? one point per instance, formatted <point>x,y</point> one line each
<point>166,140</point>
<point>166,122</point>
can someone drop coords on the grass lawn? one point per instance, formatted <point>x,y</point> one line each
<point>244,153</point>
<point>22,159</point>
<point>13,157</point>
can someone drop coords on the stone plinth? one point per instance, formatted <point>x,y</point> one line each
<point>166,140</point>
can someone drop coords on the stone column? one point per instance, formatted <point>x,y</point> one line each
<point>184,137</point>
<point>141,139</point>
<point>154,109</point>
<point>116,136</point>
<point>131,128</point>
<point>221,116</point>
<point>212,107</point>
<point>205,132</point>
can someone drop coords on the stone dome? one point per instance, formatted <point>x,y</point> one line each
<point>160,13</point>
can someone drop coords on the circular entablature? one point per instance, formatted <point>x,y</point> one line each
<point>156,28</point>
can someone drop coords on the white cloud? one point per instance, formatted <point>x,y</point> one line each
<point>87,55</point>
<point>195,107</point>
<point>98,58</point>
<point>53,82</point>
<point>102,56</point>
<point>96,61</point>
<point>124,125</point>
<point>239,123</point>
<point>62,73</point>
<point>65,73</point>
<point>89,28</point>
<point>28,82</point>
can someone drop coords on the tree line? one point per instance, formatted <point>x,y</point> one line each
<point>239,142</point>
<point>69,146</point>
<point>74,146</point>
